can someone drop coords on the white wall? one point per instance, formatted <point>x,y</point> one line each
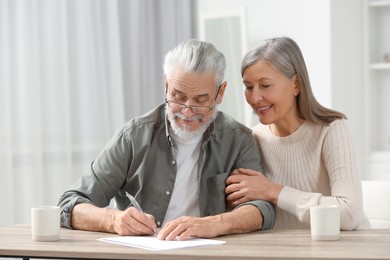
<point>347,77</point>
<point>272,18</point>
<point>329,33</point>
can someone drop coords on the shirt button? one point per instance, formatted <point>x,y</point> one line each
<point>173,162</point>
<point>167,193</point>
<point>158,223</point>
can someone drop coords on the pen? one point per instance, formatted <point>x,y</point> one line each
<point>137,206</point>
<point>134,202</point>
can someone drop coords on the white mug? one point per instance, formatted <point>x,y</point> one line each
<point>325,222</point>
<point>45,223</point>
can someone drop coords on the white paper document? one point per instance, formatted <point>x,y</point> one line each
<point>155,244</point>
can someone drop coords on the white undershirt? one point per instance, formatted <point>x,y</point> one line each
<point>184,200</point>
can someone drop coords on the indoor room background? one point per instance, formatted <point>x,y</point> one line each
<point>72,71</point>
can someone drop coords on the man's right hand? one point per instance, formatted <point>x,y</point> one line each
<point>133,222</point>
<point>130,222</point>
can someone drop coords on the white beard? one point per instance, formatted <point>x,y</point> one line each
<point>183,132</point>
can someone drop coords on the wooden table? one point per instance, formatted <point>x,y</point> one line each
<point>15,241</point>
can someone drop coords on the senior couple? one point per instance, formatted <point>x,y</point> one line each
<point>196,172</point>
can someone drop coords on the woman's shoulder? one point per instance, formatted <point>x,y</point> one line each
<point>339,122</point>
<point>335,125</point>
<point>339,125</point>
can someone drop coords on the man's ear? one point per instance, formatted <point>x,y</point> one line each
<point>221,92</point>
<point>165,85</point>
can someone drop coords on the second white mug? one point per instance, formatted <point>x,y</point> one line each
<point>325,222</point>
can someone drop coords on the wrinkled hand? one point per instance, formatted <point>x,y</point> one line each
<point>132,222</point>
<point>185,227</point>
<point>244,185</point>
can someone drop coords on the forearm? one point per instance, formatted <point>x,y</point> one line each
<point>86,216</point>
<point>244,219</point>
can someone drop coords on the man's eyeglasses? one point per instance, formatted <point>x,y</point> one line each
<point>195,109</point>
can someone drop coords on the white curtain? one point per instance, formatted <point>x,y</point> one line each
<point>71,72</point>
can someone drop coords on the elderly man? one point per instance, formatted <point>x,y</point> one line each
<point>174,161</point>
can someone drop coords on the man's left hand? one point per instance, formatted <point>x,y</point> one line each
<point>186,227</point>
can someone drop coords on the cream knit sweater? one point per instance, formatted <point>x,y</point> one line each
<point>316,165</point>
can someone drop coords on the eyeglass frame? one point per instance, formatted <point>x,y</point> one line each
<point>192,107</point>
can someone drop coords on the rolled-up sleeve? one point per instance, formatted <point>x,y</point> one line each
<point>66,210</point>
<point>267,210</point>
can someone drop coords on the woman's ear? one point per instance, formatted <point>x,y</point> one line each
<point>297,85</point>
<point>221,92</point>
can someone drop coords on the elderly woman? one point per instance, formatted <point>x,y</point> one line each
<point>306,148</point>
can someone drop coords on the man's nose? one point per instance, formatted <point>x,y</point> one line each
<point>187,110</point>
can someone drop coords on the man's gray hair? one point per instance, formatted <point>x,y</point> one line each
<point>196,56</point>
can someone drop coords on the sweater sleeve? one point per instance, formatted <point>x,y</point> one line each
<point>337,159</point>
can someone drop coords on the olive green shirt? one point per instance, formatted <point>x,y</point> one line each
<point>141,159</point>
